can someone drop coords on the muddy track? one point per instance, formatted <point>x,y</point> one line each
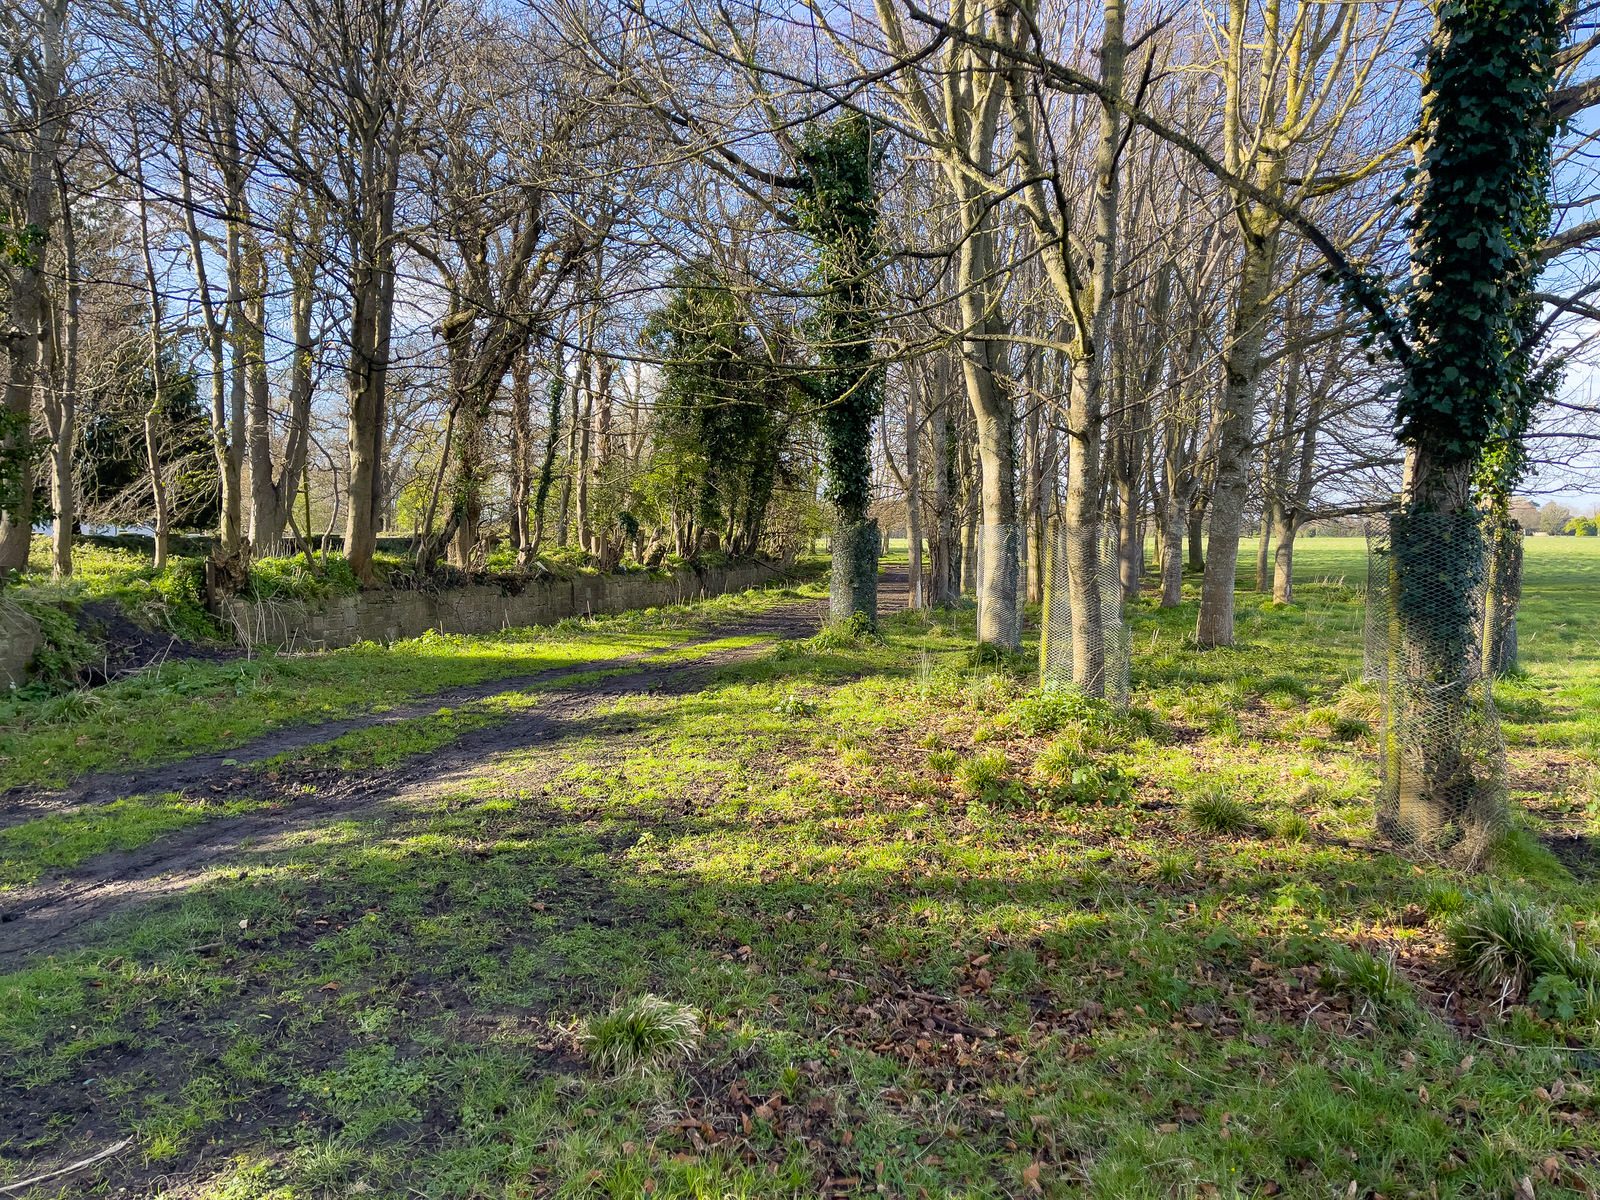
<point>203,770</point>
<point>54,915</point>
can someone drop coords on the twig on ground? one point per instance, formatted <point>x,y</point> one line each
<point>22,1184</point>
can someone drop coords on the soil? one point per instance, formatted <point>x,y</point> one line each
<point>128,647</point>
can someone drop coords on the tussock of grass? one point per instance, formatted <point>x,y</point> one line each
<point>640,1036</point>
<point>1215,811</point>
<point>1293,827</point>
<point>793,706</point>
<point>984,776</point>
<point>845,635</point>
<point>1509,944</point>
<point>1375,980</point>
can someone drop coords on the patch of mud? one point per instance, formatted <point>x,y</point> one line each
<point>127,647</point>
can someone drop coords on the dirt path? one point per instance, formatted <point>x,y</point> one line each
<point>204,770</point>
<point>52,916</point>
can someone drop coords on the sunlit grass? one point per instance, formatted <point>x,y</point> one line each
<point>905,970</point>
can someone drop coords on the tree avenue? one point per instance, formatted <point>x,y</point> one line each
<point>617,284</point>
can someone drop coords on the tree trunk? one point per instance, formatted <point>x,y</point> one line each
<point>582,470</point>
<point>1434,537</point>
<point>1174,516</point>
<point>1502,593</point>
<point>1172,535</point>
<point>152,415</point>
<point>541,496</point>
<point>1214,626</point>
<point>27,287</point>
<point>1269,520</point>
<point>994,417</point>
<point>914,411</point>
<point>1195,526</point>
<point>944,547</point>
<point>275,486</point>
<point>853,580</point>
<point>61,412</point>
<point>564,512</point>
<point>364,387</point>
<point>268,515</point>
<point>1290,513</point>
<point>1285,527</point>
<point>969,551</point>
<point>1130,541</point>
<point>371,323</point>
<point>521,457</point>
<point>227,402</point>
<point>1081,518</point>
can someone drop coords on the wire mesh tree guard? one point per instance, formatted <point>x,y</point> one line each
<point>1441,757</point>
<point>1057,655</point>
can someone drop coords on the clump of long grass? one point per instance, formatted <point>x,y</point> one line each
<point>985,777</point>
<point>1215,811</point>
<point>1375,981</point>
<point>1509,944</point>
<point>640,1036</point>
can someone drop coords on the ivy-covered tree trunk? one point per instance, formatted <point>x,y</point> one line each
<point>838,206</point>
<point>1480,212</point>
<point>547,465</point>
<point>32,211</point>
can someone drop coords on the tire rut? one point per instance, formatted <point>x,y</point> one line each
<point>52,915</point>
<point>20,805</point>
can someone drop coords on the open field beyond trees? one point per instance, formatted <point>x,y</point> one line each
<point>916,928</point>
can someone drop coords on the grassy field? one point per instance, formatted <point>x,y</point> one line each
<point>917,929</point>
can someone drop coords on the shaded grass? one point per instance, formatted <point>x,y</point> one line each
<point>29,849</point>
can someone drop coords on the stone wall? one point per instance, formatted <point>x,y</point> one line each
<point>383,616</point>
<point>20,639</point>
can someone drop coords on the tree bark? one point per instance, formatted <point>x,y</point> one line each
<point>61,410</point>
<point>1214,626</point>
<point>521,456</point>
<point>27,286</point>
<point>152,415</point>
<point>944,547</point>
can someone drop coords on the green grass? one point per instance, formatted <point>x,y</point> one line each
<point>29,849</point>
<point>910,966</point>
<point>186,707</point>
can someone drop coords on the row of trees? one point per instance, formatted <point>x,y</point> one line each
<point>409,254</point>
<point>643,279</point>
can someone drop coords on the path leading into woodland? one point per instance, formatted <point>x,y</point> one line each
<point>291,798</point>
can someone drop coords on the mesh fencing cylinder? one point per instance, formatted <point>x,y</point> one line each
<point>1442,760</point>
<point>1057,656</point>
<point>1502,594</point>
<point>853,582</point>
